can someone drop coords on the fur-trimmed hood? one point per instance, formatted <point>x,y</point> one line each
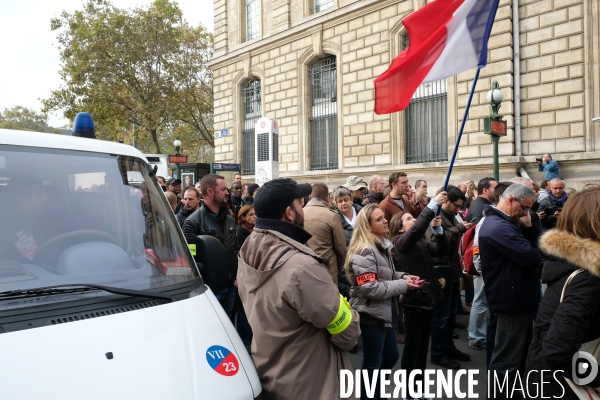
<point>582,253</point>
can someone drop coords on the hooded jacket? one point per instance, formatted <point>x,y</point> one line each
<point>561,328</point>
<point>290,299</point>
<point>510,263</point>
<point>375,285</point>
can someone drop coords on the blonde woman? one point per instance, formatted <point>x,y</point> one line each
<point>375,287</point>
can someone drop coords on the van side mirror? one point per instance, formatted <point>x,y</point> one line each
<point>211,259</point>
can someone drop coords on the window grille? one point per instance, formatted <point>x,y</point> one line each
<point>251,19</point>
<point>251,94</point>
<point>427,124</point>
<point>321,5</point>
<point>323,120</point>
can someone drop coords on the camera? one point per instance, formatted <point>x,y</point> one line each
<point>539,159</point>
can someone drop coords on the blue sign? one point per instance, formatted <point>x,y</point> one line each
<point>226,167</point>
<point>224,132</point>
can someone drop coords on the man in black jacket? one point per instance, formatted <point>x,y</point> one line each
<point>236,195</point>
<point>443,351</point>
<point>191,202</point>
<point>213,219</point>
<point>510,265</point>
<point>485,196</point>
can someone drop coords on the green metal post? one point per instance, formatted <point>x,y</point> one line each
<point>177,153</point>
<point>495,140</point>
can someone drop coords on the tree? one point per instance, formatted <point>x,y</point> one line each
<point>142,68</point>
<point>25,119</point>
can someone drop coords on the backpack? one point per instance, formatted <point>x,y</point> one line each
<point>465,252</point>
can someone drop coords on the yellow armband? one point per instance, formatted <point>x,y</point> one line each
<point>342,319</point>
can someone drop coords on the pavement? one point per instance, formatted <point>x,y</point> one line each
<point>462,343</point>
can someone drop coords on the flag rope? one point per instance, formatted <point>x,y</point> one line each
<point>460,132</point>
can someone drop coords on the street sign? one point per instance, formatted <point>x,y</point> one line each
<point>224,132</point>
<point>498,127</point>
<point>226,167</point>
<point>177,159</point>
<point>494,127</point>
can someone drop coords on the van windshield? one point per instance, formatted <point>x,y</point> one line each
<point>73,217</point>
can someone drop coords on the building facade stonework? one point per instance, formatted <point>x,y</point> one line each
<point>559,73</point>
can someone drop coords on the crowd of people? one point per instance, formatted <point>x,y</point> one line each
<point>313,272</point>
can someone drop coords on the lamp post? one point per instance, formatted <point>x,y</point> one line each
<point>177,144</point>
<point>493,124</point>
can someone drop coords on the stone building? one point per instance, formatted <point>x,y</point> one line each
<point>311,65</point>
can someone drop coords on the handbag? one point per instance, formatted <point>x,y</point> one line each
<point>584,392</point>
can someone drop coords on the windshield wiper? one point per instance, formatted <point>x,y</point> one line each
<point>78,288</point>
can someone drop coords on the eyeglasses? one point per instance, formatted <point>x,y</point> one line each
<point>456,205</point>
<point>525,208</point>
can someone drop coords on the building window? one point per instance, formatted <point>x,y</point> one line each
<point>323,120</point>
<point>252,112</point>
<point>251,19</point>
<point>427,124</point>
<point>321,5</point>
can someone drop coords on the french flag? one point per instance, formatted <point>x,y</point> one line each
<point>446,37</point>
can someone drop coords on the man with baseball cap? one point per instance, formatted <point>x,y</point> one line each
<point>301,324</point>
<point>358,188</point>
<point>174,186</point>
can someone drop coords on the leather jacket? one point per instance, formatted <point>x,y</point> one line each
<point>221,226</point>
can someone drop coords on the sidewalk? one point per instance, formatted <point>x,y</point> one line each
<point>462,344</point>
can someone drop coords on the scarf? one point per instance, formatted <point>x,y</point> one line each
<point>247,227</point>
<point>561,200</point>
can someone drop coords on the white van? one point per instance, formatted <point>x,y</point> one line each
<point>100,296</point>
<point>162,164</point>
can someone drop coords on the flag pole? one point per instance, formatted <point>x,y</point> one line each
<point>460,132</point>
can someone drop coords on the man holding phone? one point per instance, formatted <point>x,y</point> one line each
<point>552,205</point>
<point>447,267</point>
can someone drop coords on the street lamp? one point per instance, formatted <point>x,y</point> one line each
<point>493,124</point>
<point>177,144</point>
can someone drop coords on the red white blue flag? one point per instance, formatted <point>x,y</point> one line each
<point>446,37</point>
